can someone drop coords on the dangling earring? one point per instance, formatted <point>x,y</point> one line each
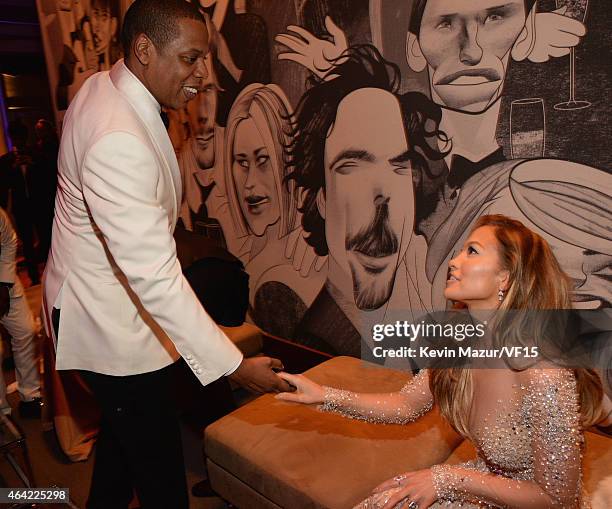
<point>500,295</point>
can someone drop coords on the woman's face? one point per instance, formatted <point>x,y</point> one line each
<point>254,178</point>
<point>475,274</point>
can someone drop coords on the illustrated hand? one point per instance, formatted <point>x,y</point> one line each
<point>415,487</point>
<point>555,35</point>
<point>257,375</point>
<point>306,392</point>
<point>310,52</point>
<point>5,300</point>
<point>91,58</point>
<point>302,254</point>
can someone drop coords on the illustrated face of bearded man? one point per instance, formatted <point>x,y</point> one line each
<point>368,201</point>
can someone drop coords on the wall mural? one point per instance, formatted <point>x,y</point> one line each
<point>343,149</point>
<point>80,37</point>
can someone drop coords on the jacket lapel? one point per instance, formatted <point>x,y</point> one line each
<point>148,109</point>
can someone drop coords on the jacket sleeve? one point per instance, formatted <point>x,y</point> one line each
<point>120,176</point>
<point>8,249</point>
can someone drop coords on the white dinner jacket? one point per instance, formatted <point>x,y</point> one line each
<point>112,269</point>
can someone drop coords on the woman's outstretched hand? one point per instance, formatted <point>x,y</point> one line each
<point>412,487</point>
<point>306,391</point>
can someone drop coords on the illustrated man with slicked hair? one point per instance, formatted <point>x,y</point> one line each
<point>115,300</point>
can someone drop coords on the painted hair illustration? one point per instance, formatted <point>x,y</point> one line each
<point>269,112</point>
<point>359,67</point>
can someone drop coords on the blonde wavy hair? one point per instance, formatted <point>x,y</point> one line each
<point>536,282</point>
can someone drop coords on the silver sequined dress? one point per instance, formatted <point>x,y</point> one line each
<point>524,425</point>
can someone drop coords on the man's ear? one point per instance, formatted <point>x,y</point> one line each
<point>143,49</point>
<point>525,42</point>
<point>321,202</point>
<point>414,56</point>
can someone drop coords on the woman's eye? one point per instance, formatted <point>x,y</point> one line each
<point>444,25</point>
<point>262,160</point>
<point>471,250</point>
<point>243,162</point>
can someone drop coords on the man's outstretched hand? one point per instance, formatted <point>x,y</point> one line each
<point>257,375</point>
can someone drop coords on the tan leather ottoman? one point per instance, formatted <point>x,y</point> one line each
<point>270,454</point>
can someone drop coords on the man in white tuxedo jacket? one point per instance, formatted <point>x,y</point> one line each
<point>127,313</point>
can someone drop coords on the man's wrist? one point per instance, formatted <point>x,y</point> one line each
<point>233,370</point>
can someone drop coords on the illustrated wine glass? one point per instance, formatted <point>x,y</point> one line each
<point>527,128</point>
<point>576,9</point>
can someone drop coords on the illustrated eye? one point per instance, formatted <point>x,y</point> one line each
<point>190,60</point>
<point>471,250</point>
<point>243,163</point>
<point>403,170</point>
<point>444,25</point>
<point>262,159</point>
<point>493,18</point>
<point>346,167</point>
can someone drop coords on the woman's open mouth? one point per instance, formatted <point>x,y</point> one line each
<point>255,202</point>
<point>451,279</point>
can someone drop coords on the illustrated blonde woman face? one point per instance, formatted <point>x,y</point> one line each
<point>475,273</point>
<point>253,174</point>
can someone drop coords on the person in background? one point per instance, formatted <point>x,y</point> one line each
<point>44,183</point>
<point>16,166</point>
<point>16,318</point>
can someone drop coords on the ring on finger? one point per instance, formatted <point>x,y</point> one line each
<point>413,505</point>
<point>399,478</point>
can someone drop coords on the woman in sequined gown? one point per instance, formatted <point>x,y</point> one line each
<point>526,425</point>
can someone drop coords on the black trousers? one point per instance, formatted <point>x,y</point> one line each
<point>139,444</point>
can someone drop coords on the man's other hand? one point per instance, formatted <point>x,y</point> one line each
<point>5,300</point>
<point>257,375</point>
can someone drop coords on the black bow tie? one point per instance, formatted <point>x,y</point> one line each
<point>165,119</point>
<point>461,169</point>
